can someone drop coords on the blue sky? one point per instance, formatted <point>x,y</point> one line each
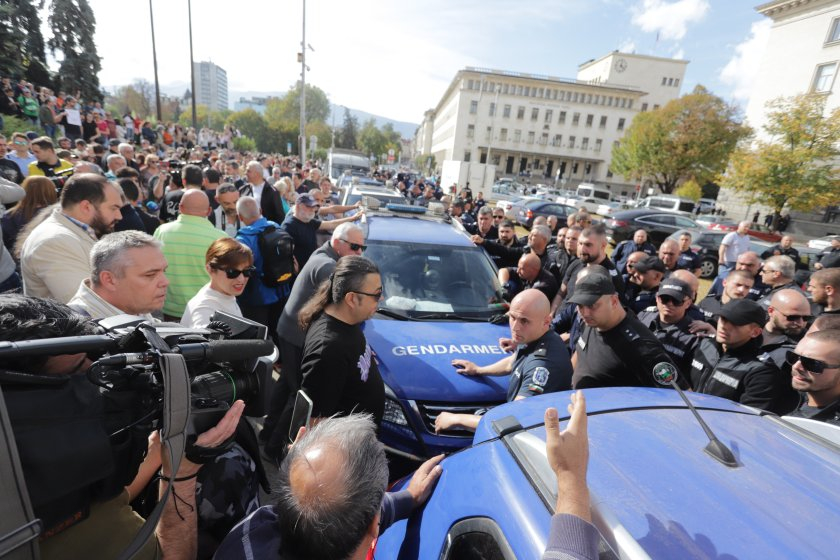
<point>396,58</point>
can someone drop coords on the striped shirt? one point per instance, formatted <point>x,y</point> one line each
<point>185,243</point>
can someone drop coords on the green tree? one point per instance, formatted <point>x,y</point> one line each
<point>690,190</point>
<point>203,115</point>
<point>349,130</point>
<point>286,109</point>
<point>73,26</point>
<point>796,166</point>
<point>373,140</point>
<point>22,50</point>
<point>690,137</point>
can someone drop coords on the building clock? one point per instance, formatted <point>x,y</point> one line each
<point>620,65</point>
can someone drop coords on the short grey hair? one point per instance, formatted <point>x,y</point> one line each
<point>332,522</point>
<point>485,211</point>
<point>254,165</point>
<point>342,230</point>
<point>541,230</point>
<point>112,157</point>
<point>110,254</point>
<point>124,146</point>
<point>782,264</point>
<point>247,207</point>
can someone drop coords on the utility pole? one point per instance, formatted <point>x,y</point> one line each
<point>154,60</point>
<point>303,86</point>
<point>192,67</point>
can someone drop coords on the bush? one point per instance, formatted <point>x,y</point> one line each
<point>244,144</point>
<point>14,124</point>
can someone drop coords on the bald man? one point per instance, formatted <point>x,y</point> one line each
<point>528,273</point>
<point>185,243</point>
<point>789,314</point>
<point>539,365</point>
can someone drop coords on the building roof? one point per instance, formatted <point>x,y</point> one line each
<point>782,9</point>
<point>631,55</point>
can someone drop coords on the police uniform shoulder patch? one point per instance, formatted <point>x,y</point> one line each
<point>613,272</point>
<point>664,373</point>
<point>541,352</point>
<point>540,376</point>
<point>630,334</point>
<point>765,357</point>
<point>650,308</point>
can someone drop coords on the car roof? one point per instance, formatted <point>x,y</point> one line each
<point>415,228</point>
<point>636,212</point>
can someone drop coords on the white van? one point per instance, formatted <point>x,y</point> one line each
<point>589,197</point>
<point>668,203</point>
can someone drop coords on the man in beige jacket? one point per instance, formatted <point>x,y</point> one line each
<point>55,258</point>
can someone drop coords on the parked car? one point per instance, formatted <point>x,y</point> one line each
<point>363,187</point>
<point>705,243</point>
<point>668,203</point>
<point>608,208</point>
<point>525,212</point>
<point>822,242</point>
<point>659,224</point>
<point>706,205</point>
<point>656,492</point>
<point>505,191</point>
<point>707,220</point>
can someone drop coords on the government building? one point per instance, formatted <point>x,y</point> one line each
<point>546,128</point>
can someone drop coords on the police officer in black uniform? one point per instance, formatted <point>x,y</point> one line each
<point>669,321</point>
<point>736,285</point>
<point>640,292</point>
<point>615,349</point>
<point>539,365</point>
<point>731,365</point>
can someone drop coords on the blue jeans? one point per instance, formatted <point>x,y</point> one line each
<point>11,284</point>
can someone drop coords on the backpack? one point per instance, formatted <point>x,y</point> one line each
<point>277,250</point>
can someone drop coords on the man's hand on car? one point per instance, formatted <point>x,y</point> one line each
<point>424,480</point>
<point>465,367</point>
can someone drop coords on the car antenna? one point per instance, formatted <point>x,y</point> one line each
<point>666,374</point>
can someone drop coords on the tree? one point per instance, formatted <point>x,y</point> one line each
<point>128,99</point>
<point>690,190</point>
<point>374,141</point>
<point>347,136</point>
<point>286,109</point>
<point>690,137</point>
<point>22,51</point>
<point>73,26</point>
<point>796,166</point>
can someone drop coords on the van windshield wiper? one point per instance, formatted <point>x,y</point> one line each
<point>448,317</point>
<point>393,314</point>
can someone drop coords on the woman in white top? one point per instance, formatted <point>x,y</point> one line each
<point>229,264</point>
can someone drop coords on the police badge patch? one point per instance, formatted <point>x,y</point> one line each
<point>540,376</point>
<point>664,373</point>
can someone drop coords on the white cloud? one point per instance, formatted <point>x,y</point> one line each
<point>627,46</point>
<point>669,19</point>
<point>742,68</point>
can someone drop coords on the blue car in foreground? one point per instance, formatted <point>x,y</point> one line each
<point>655,492</point>
<point>439,293</point>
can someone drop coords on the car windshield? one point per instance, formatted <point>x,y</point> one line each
<point>353,198</point>
<point>436,281</point>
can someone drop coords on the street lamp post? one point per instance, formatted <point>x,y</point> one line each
<point>192,67</point>
<point>154,61</point>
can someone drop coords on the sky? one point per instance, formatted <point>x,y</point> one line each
<point>396,58</point>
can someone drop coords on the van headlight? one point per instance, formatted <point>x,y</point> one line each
<point>394,413</point>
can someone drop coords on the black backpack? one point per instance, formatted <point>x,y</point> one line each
<point>277,249</point>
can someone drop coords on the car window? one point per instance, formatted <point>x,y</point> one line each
<point>658,219</point>
<point>686,206</point>
<point>685,222</point>
<point>602,195</point>
<point>420,278</point>
<point>477,538</point>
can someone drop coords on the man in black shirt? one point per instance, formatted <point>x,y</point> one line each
<point>687,259</point>
<point>615,349</point>
<point>527,274</point>
<point>303,226</point>
<point>735,286</point>
<point>539,365</point>
<point>824,286</point>
<point>816,372</point>
<point>507,239</point>
<point>830,256</point>
<point>484,226</point>
<point>591,250</point>
<point>646,277</point>
<point>667,319</point>
<point>538,240</point>
<point>784,247</point>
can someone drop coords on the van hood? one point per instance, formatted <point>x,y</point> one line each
<point>415,359</point>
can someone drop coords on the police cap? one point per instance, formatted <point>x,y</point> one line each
<point>590,288</point>
<point>649,263</point>
<point>743,312</point>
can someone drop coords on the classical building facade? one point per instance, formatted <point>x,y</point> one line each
<point>551,129</point>
<point>802,56</point>
<point>211,85</point>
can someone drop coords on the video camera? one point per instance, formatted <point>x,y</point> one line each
<point>59,179</point>
<point>81,438</point>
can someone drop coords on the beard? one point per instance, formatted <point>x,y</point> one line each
<point>100,226</point>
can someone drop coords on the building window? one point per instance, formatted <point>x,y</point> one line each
<point>527,92</point>
<point>467,155</point>
<point>470,131</point>
<point>517,135</point>
<point>506,112</point>
<point>492,109</point>
<point>584,144</point>
<point>542,92</point>
<point>629,103</point>
<point>655,107</point>
<point>597,99</point>
<point>575,97</point>
<point>531,135</point>
<point>533,92</point>
<point>609,173</point>
<point>503,135</point>
<point>670,81</point>
<point>518,90</point>
<point>644,106</point>
<point>620,124</point>
<point>549,114</point>
<point>610,101</point>
<point>664,81</point>
<point>469,84</point>
<point>834,31</point>
<point>489,133</point>
<point>603,123</point>
<point>623,102</point>
<point>520,113</point>
<point>824,77</point>
<point>496,159</point>
<point>574,168</point>
<point>571,142</point>
<point>504,89</point>
<point>558,138</point>
<point>589,120</point>
<point>598,144</point>
<point>544,138</point>
<point>589,98</point>
<point>473,107</point>
<point>535,114</point>
<point>676,82</point>
<point>562,119</point>
<point>576,119</point>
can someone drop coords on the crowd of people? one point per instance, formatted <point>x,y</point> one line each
<point>177,233</point>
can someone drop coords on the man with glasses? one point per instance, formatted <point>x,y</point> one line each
<point>20,153</point>
<point>667,319</point>
<point>790,312</point>
<point>303,225</point>
<point>224,217</point>
<point>347,239</point>
<point>731,365</point>
<point>815,370</point>
<point>778,273</point>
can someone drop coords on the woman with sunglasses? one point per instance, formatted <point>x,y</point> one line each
<point>229,264</point>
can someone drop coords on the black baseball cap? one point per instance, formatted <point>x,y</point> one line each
<point>743,312</point>
<point>590,288</point>
<point>674,288</point>
<point>649,263</point>
<point>307,200</point>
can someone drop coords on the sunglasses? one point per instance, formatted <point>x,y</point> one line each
<point>355,247</point>
<point>795,318</point>
<point>669,300</point>
<point>498,217</point>
<point>232,273</point>
<point>375,295</point>
<point>813,366</point>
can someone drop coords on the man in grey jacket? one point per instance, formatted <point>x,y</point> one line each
<point>9,278</point>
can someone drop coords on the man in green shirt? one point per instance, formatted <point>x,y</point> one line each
<point>185,243</point>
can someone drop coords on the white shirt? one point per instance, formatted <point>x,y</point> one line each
<point>735,245</point>
<point>256,192</point>
<point>206,302</point>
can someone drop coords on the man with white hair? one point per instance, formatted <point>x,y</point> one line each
<point>115,163</point>
<point>126,150</point>
<point>778,273</point>
<point>257,187</point>
<point>347,239</point>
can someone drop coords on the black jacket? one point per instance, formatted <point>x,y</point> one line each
<point>272,208</point>
<point>745,375</point>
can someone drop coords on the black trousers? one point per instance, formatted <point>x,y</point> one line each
<point>275,432</point>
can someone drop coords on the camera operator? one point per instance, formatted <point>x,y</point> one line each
<point>88,515</point>
<point>47,163</point>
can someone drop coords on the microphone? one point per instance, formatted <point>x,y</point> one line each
<point>225,350</point>
<point>57,346</point>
